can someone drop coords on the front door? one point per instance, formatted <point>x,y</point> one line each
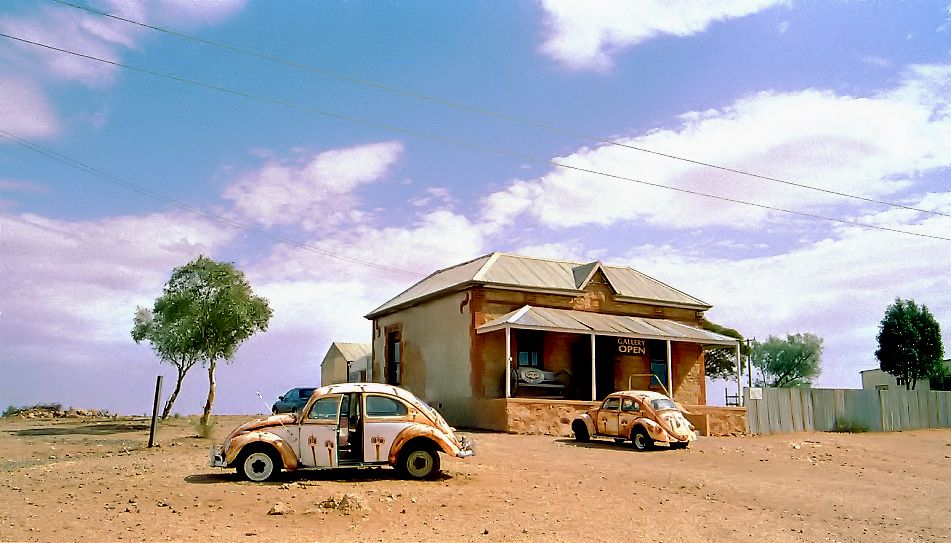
<point>318,443</point>
<point>608,417</point>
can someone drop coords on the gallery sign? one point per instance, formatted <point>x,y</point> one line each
<point>631,346</point>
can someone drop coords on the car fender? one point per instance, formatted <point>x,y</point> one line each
<point>426,432</point>
<point>588,422</point>
<point>288,456</point>
<point>654,430</point>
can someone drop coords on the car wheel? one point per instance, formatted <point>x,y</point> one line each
<point>641,440</point>
<point>259,464</point>
<point>679,444</point>
<point>419,464</point>
<point>581,431</point>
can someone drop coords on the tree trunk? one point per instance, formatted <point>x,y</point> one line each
<point>171,399</point>
<point>206,416</point>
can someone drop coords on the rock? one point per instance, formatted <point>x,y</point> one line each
<point>280,508</point>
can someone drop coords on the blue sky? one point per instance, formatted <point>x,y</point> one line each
<point>851,97</point>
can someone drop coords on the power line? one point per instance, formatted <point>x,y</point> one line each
<point>49,153</point>
<point>482,111</point>
<point>469,145</point>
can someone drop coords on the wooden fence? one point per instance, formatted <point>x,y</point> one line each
<point>779,410</point>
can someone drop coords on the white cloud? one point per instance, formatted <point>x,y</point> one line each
<point>837,288</point>
<point>86,33</point>
<point>69,282</point>
<point>873,147</point>
<point>311,193</point>
<point>586,35</point>
<point>25,111</point>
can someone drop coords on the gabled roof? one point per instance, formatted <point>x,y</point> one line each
<point>530,274</point>
<point>585,322</point>
<point>352,351</point>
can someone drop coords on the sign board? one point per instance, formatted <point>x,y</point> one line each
<point>756,394</point>
<point>631,346</point>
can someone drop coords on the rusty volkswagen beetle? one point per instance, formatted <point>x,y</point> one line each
<point>345,425</point>
<point>642,416</point>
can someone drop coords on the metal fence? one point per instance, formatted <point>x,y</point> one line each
<point>779,410</point>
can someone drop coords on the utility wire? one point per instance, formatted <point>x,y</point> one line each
<point>59,157</point>
<point>481,111</point>
<point>503,152</point>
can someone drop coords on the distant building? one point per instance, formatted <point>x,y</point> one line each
<point>345,363</point>
<point>506,341</point>
<point>876,379</point>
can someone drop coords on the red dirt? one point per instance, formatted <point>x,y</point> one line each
<point>95,480</point>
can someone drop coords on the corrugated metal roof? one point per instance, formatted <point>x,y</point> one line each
<point>528,273</point>
<point>583,322</point>
<point>352,351</point>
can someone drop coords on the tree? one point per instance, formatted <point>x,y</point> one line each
<point>171,340</point>
<point>208,310</point>
<point>720,362</point>
<point>909,343</point>
<point>790,362</point>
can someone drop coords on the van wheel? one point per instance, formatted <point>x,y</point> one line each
<point>641,440</point>
<point>259,464</point>
<point>581,431</point>
<point>419,464</point>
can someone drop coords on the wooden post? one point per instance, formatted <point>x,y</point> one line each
<point>158,396</point>
<point>508,361</point>
<point>670,372</point>
<point>739,376</point>
<point>594,373</point>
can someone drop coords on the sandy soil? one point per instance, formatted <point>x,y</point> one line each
<point>95,480</point>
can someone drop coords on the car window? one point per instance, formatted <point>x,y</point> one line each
<point>662,403</point>
<point>325,408</point>
<point>629,405</point>
<point>383,406</point>
<point>611,403</point>
<point>306,393</point>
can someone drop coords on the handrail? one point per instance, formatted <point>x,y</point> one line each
<point>650,375</point>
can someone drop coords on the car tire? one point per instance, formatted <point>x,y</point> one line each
<point>641,440</point>
<point>419,464</point>
<point>581,431</point>
<point>259,464</point>
<point>679,444</point>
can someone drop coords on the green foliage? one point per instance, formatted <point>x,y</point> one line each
<point>790,362</point>
<point>720,362</point>
<point>850,427</point>
<point>206,311</point>
<point>12,410</point>
<point>909,343</point>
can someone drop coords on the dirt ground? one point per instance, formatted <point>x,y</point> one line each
<point>95,480</point>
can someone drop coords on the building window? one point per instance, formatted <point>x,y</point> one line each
<point>394,366</point>
<point>657,351</point>
<point>529,348</point>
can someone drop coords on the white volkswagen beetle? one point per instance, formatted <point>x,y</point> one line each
<point>345,425</point>
<point>643,416</point>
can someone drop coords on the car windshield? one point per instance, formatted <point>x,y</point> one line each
<point>662,403</point>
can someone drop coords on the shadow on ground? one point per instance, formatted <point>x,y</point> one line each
<point>84,429</point>
<point>339,475</point>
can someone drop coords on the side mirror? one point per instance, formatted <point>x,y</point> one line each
<point>280,398</point>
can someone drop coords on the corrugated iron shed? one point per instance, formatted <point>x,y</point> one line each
<point>542,275</point>
<point>583,322</point>
<point>353,351</point>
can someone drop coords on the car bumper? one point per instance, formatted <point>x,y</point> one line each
<point>466,447</point>
<point>216,458</point>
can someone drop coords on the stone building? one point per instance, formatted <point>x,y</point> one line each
<point>513,343</point>
<point>345,363</point>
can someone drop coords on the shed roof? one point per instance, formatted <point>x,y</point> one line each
<point>584,322</point>
<point>352,351</point>
<point>541,275</point>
